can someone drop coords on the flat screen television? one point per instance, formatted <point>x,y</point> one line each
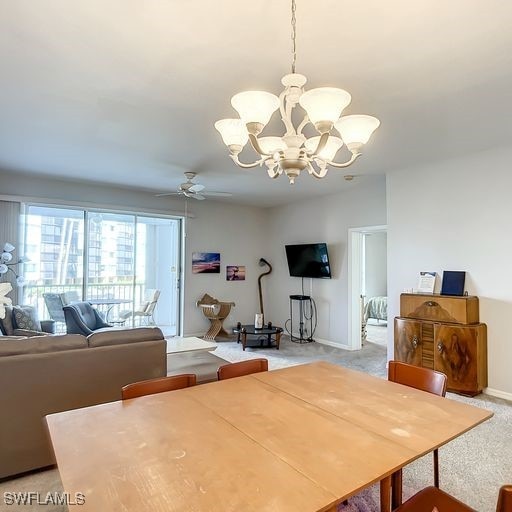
<point>308,260</point>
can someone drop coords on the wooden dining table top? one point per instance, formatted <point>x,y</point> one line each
<point>299,439</point>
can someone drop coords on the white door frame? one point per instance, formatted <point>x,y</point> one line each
<point>355,285</point>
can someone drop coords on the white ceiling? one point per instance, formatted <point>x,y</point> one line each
<point>127,91</point>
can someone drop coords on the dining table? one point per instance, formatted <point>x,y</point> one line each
<point>299,439</point>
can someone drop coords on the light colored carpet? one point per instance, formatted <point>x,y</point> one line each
<point>472,467</point>
<point>377,332</point>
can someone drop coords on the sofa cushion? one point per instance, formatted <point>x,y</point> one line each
<point>27,333</point>
<point>25,317</point>
<point>120,336</point>
<point>14,346</point>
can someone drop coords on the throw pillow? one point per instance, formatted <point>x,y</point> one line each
<point>25,317</point>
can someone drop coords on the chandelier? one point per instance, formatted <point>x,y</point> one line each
<point>293,152</point>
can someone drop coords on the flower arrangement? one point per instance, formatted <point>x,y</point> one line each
<point>8,265</point>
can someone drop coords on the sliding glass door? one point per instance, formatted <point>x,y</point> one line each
<point>110,277</point>
<point>125,265</point>
<point>54,246</point>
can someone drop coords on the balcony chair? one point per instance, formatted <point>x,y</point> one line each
<point>423,379</point>
<point>54,305</point>
<point>229,371</point>
<point>432,498</point>
<point>69,297</point>
<point>145,310</point>
<point>161,385</point>
<point>82,318</point>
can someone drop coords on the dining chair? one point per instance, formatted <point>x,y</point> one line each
<point>152,386</point>
<point>229,371</point>
<point>432,498</point>
<point>423,379</point>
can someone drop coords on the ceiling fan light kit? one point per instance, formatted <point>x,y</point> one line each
<point>293,152</point>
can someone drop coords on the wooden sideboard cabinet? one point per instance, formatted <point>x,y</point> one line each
<point>444,333</point>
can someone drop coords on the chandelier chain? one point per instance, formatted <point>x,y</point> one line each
<point>294,36</point>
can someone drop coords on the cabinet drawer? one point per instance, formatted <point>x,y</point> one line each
<point>440,308</point>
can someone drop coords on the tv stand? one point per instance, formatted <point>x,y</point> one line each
<point>304,321</point>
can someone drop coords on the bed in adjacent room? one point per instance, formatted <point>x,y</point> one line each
<point>376,308</point>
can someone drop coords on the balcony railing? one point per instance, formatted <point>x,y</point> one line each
<point>33,294</point>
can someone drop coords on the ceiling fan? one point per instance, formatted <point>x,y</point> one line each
<point>190,189</point>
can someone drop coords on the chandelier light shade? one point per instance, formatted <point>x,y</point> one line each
<point>233,132</point>
<point>255,106</point>
<point>270,145</point>
<point>292,152</point>
<point>324,105</point>
<point>356,129</point>
<point>330,149</point>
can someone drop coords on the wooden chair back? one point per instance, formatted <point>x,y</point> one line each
<point>423,379</point>
<point>152,386</point>
<point>229,371</point>
<point>417,377</point>
<point>432,498</point>
<point>505,499</point>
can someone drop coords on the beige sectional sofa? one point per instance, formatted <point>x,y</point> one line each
<point>46,374</point>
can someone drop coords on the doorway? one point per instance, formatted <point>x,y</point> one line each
<point>367,286</point>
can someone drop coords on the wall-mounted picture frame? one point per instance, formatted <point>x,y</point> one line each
<point>206,262</point>
<point>235,273</point>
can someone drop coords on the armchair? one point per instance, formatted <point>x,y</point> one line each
<point>82,318</point>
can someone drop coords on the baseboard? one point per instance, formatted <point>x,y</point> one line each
<point>318,340</point>
<point>498,394</point>
<point>333,344</point>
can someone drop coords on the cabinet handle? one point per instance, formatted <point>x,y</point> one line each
<point>440,346</point>
<point>415,341</point>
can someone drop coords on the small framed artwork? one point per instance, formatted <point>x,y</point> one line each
<point>206,263</point>
<point>235,273</point>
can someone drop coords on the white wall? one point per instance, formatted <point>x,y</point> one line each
<point>321,219</point>
<point>375,264</point>
<point>235,231</point>
<point>457,215</point>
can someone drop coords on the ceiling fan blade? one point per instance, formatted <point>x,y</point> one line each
<point>196,188</point>
<point>218,194</point>
<point>168,194</point>
<point>199,197</point>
